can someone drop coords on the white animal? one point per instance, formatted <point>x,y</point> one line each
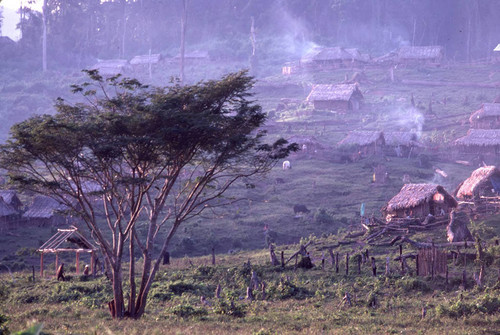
<point>287,165</point>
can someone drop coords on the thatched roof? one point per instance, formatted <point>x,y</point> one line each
<point>420,52</point>
<point>320,54</point>
<point>43,208</point>
<point>396,138</point>
<point>487,110</point>
<point>361,137</point>
<point>10,197</point>
<point>146,59</point>
<point>413,195</point>
<point>110,66</point>
<point>197,54</point>
<point>480,137</point>
<point>6,209</point>
<point>477,179</point>
<point>340,92</point>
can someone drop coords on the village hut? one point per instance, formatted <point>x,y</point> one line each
<point>111,67</point>
<point>11,198</point>
<point>480,141</point>
<point>401,143</point>
<point>457,230</point>
<point>418,55</point>
<point>307,144</point>
<point>483,183</point>
<point>330,58</point>
<point>9,216</point>
<point>418,201</point>
<point>340,98</point>
<point>487,117</point>
<point>68,240</point>
<point>45,211</point>
<point>362,143</point>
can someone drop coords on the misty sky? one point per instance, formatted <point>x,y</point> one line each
<point>11,17</point>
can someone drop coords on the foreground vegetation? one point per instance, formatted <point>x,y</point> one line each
<point>296,301</point>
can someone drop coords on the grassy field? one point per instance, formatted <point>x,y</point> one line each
<point>299,301</point>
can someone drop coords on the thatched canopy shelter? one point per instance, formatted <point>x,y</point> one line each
<point>420,200</point>
<point>487,117</point>
<point>341,97</point>
<point>45,211</point>
<point>68,240</point>
<point>484,181</point>
<point>11,198</point>
<point>480,140</point>
<point>430,53</point>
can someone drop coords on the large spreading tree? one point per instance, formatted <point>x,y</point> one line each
<point>139,154</point>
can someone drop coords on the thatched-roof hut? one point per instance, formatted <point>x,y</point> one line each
<point>418,201</point>
<point>432,54</point>
<point>487,117</point>
<point>111,67</point>
<point>341,98</point>
<point>8,215</point>
<point>45,211</point>
<point>334,57</point>
<point>362,143</point>
<point>401,143</point>
<point>146,59</point>
<point>307,144</point>
<point>480,141</point>
<point>484,181</point>
<point>10,197</point>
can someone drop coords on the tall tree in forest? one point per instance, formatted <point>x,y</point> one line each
<point>160,156</point>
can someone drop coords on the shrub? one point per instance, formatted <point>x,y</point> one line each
<point>185,311</point>
<point>323,217</point>
<point>4,320</point>
<point>226,307</point>
<point>412,284</point>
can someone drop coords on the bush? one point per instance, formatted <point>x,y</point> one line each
<point>185,311</point>
<point>226,307</point>
<point>323,217</point>
<point>412,284</point>
<point>4,320</point>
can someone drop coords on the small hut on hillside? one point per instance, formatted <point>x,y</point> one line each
<point>418,201</point>
<point>487,117</point>
<point>45,211</point>
<point>362,143</point>
<point>145,63</point>
<point>308,145</point>
<point>419,55</point>
<point>340,98</point>
<point>483,184</point>
<point>331,58</point>
<point>10,197</point>
<point>111,67</point>
<point>194,57</point>
<point>480,141</point>
<point>401,143</point>
<point>8,215</point>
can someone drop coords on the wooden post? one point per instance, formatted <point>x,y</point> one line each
<point>213,256</point>
<point>217,291</point>
<point>359,265</point>
<point>77,262</point>
<point>166,258</point>
<point>387,267</point>
<point>374,267</point>
<point>330,251</point>
<point>92,263</point>
<point>33,276</point>
<point>446,274</point>
<point>336,262</point>
<point>282,259</point>
<point>57,261</point>
<point>249,294</point>
<point>263,288</point>
<point>41,265</point>
<point>416,265</point>
<point>347,264</point>
<point>401,259</point>
<point>464,280</point>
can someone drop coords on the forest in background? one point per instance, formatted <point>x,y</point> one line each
<point>80,32</point>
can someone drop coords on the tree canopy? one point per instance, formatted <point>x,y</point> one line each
<point>134,153</point>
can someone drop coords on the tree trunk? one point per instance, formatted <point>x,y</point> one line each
<point>117,293</point>
<point>44,36</point>
<point>183,38</point>
<point>131,302</point>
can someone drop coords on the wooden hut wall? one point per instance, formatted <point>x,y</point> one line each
<point>341,106</point>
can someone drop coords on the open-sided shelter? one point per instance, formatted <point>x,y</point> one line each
<point>482,184</point>
<point>418,201</point>
<point>68,240</point>
<point>487,117</point>
<point>340,98</point>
